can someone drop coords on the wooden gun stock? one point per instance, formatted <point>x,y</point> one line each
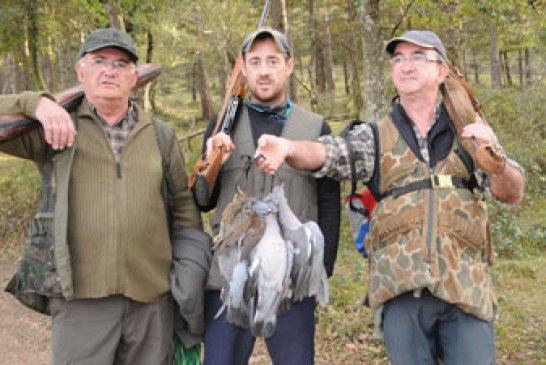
<point>462,108</point>
<point>14,124</point>
<point>205,170</point>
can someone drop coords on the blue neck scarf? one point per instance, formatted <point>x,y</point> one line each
<point>278,114</point>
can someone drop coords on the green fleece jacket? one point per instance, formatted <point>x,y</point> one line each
<point>110,232</point>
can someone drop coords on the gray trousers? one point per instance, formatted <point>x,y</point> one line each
<point>424,330</point>
<point>111,331</point>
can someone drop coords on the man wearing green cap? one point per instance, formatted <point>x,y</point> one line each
<point>267,66</point>
<point>99,256</point>
<point>429,245</point>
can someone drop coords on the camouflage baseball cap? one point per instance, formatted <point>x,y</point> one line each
<point>267,32</point>
<point>422,38</point>
<point>106,38</point>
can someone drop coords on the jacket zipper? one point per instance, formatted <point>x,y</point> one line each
<point>118,167</point>
<point>430,220</point>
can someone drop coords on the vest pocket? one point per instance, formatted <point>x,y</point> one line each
<point>467,233</point>
<point>386,228</point>
<point>36,276</point>
<point>38,265</point>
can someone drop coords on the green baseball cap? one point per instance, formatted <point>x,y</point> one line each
<point>421,38</point>
<point>263,33</point>
<point>109,38</point>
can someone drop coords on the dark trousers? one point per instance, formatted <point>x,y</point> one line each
<point>424,330</point>
<point>291,344</point>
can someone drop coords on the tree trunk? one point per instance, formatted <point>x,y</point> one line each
<point>356,88</point>
<point>202,86</point>
<point>320,76</point>
<point>346,77</point>
<point>495,64</point>
<point>453,42</point>
<point>312,78</point>
<point>193,82</point>
<point>114,16</point>
<point>528,67</point>
<point>521,75</point>
<point>373,60</point>
<point>33,44</point>
<point>50,67</point>
<point>150,89</point>
<point>278,14</point>
<point>328,60</point>
<point>506,65</point>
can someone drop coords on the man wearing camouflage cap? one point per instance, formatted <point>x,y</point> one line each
<point>98,255</point>
<point>429,246</point>
<point>268,64</point>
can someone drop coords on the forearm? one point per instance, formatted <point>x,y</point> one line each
<point>306,155</point>
<point>24,103</point>
<point>508,185</point>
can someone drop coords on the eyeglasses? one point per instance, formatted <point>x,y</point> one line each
<point>271,62</point>
<point>101,63</point>
<point>417,58</point>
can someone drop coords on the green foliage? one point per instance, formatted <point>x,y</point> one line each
<point>19,187</point>
<point>517,118</point>
<point>510,238</point>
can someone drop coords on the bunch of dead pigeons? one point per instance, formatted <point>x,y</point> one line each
<point>267,259</point>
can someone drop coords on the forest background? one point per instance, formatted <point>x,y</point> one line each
<point>341,72</point>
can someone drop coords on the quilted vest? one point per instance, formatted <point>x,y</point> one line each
<point>240,171</point>
<point>435,238</point>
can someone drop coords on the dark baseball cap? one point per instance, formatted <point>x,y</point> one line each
<point>422,38</point>
<point>107,38</point>
<point>264,33</point>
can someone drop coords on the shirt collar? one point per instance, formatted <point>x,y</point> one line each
<point>123,120</point>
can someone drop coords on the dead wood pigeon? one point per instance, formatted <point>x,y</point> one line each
<point>270,266</point>
<point>240,230</point>
<point>308,273</point>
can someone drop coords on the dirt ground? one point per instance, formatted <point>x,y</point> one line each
<point>25,335</point>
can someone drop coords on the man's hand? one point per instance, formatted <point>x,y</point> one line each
<point>271,153</point>
<point>59,130</point>
<point>480,131</point>
<point>220,140</point>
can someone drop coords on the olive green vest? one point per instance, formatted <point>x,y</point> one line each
<point>434,238</point>
<point>240,170</point>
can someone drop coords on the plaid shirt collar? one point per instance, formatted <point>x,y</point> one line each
<point>118,133</point>
<point>422,139</point>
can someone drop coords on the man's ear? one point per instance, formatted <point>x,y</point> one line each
<point>290,66</point>
<point>243,68</point>
<point>137,74</point>
<point>443,72</point>
<point>79,73</point>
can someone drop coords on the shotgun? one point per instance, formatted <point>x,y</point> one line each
<point>206,169</point>
<point>462,108</point>
<point>14,124</point>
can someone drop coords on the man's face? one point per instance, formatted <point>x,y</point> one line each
<point>416,70</point>
<point>266,70</point>
<point>107,75</point>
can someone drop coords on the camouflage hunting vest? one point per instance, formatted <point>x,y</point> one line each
<point>435,238</point>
